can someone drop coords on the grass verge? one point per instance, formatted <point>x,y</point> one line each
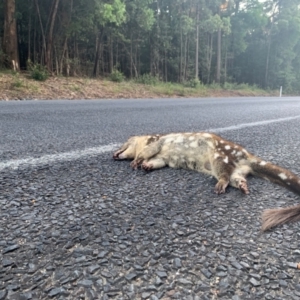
<point>21,86</point>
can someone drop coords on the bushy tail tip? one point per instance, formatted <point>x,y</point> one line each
<point>278,216</point>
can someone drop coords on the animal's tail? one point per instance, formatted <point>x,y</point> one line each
<point>285,178</point>
<point>277,216</point>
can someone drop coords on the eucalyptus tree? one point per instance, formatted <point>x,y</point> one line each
<point>10,43</point>
<point>133,37</point>
<point>250,41</point>
<point>284,38</point>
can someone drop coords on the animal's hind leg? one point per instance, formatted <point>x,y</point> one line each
<point>222,171</point>
<point>154,163</point>
<point>148,152</point>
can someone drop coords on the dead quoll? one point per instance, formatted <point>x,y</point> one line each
<point>205,152</point>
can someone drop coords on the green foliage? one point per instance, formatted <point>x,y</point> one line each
<point>215,86</point>
<point>17,81</point>
<point>242,86</point>
<point>147,79</point>
<point>116,76</point>
<point>193,83</point>
<point>146,18</point>
<point>260,40</point>
<point>110,12</point>
<point>38,72</point>
<point>187,24</point>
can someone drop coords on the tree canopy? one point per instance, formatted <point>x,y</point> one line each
<point>239,41</point>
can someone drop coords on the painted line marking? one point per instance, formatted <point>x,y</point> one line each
<point>50,158</point>
<point>253,124</point>
<point>94,151</point>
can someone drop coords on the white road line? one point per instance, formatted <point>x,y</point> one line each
<point>253,124</point>
<point>65,156</point>
<point>73,155</point>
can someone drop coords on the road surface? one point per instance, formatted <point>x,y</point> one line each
<point>74,224</point>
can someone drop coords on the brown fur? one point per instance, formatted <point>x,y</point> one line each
<point>204,152</point>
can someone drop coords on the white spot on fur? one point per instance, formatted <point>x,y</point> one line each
<point>227,147</point>
<point>207,134</point>
<point>221,141</point>
<point>169,140</point>
<point>194,144</point>
<point>262,163</point>
<point>233,152</point>
<point>245,151</point>
<point>236,146</point>
<point>210,144</point>
<point>282,176</point>
<point>191,138</point>
<point>179,140</point>
<point>216,142</point>
<point>216,155</point>
<point>239,153</point>
<point>225,160</point>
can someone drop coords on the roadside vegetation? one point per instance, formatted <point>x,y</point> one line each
<point>22,86</point>
<point>163,47</point>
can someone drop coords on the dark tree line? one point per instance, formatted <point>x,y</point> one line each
<point>242,41</point>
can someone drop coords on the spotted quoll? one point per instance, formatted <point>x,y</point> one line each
<point>205,152</point>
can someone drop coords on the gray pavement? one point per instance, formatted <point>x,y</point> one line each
<point>74,224</point>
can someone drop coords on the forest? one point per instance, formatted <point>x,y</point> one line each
<point>256,42</point>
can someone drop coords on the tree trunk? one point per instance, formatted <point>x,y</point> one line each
<point>225,65</point>
<point>268,57</point>
<point>131,62</point>
<point>50,37</point>
<point>97,55</point>
<point>197,45</point>
<point>29,32</point>
<point>111,54</point>
<point>65,51</point>
<point>186,57</point>
<point>166,66</point>
<point>209,56</point>
<point>267,62</point>
<point>10,39</point>
<point>61,66</point>
<point>42,31</point>
<point>180,63</point>
<point>34,41</point>
<point>218,74</point>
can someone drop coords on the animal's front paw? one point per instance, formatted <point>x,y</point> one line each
<point>244,187</point>
<point>135,163</point>
<point>116,155</point>
<point>221,186</point>
<point>146,166</point>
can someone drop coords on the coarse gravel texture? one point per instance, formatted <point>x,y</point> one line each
<point>93,228</point>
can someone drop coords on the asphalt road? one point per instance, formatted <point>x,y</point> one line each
<point>74,224</point>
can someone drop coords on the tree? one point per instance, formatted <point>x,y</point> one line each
<point>243,41</point>
<point>10,39</point>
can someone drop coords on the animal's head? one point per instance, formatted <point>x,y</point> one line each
<point>134,146</point>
